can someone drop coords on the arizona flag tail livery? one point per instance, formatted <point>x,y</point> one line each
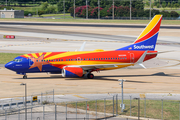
<point>83,63</point>
<point>147,39</point>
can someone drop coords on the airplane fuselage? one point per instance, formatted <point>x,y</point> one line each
<point>55,61</point>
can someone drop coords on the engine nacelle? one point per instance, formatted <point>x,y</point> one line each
<point>72,72</point>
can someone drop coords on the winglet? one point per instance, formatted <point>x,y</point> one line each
<point>141,59</point>
<point>82,47</point>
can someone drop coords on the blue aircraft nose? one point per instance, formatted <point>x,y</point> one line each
<point>9,65</point>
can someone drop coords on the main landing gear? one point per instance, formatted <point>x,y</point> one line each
<point>25,77</point>
<point>90,76</point>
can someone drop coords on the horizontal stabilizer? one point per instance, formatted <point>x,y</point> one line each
<point>142,65</point>
<point>141,59</point>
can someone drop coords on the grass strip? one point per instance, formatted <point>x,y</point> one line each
<point>164,22</point>
<point>7,57</point>
<point>153,108</point>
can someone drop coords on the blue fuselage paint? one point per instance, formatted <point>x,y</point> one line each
<point>22,67</point>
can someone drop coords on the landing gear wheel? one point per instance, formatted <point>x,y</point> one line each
<point>25,77</point>
<point>90,76</point>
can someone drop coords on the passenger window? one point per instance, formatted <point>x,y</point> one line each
<point>125,58</point>
<point>71,59</point>
<point>101,58</point>
<point>61,59</point>
<point>96,58</point>
<point>36,60</point>
<point>66,59</point>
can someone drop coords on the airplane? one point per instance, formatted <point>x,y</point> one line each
<point>82,63</point>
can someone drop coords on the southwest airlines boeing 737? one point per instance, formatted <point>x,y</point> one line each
<point>83,63</point>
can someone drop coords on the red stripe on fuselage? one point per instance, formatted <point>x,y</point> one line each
<point>37,54</point>
<point>125,55</point>
<point>53,53</point>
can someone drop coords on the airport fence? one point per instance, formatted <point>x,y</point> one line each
<point>104,108</point>
<point>34,99</point>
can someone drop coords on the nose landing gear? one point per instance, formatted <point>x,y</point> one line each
<point>25,77</point>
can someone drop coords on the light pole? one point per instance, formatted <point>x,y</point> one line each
<point>25,100</point>
<point>113,11</point>
<point>122,105</point>
<point>74,9</point>
<point>86,9</point>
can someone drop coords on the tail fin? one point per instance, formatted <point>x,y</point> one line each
<point>147,39</point>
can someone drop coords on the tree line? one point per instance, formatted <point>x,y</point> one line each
<point>121,8</point>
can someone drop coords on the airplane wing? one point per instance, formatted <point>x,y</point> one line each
<point>90,67</point>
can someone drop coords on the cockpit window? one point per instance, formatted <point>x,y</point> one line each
<point>17,60</point>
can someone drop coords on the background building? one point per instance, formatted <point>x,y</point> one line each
<point>11,13</point>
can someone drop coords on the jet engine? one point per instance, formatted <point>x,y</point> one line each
<point>72,72</point>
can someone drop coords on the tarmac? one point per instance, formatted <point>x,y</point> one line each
<point>160,79</point>
<point>33,38</point>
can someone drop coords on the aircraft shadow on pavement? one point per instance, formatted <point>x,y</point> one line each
<point>106,77</point>
<point>156,74</point>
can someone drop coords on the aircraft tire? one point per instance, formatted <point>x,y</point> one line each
<point>25,77</point>
<point>90,76</point>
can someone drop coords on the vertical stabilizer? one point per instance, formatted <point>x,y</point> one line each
<point>147,39</point>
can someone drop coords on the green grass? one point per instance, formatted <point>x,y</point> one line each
<point>164,22</point>
<point>6,57</point>
<point>47,15</point>
<point>30,9</point>
<point>153,108</point>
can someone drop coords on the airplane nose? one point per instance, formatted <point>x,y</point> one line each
<point>9,65</point>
